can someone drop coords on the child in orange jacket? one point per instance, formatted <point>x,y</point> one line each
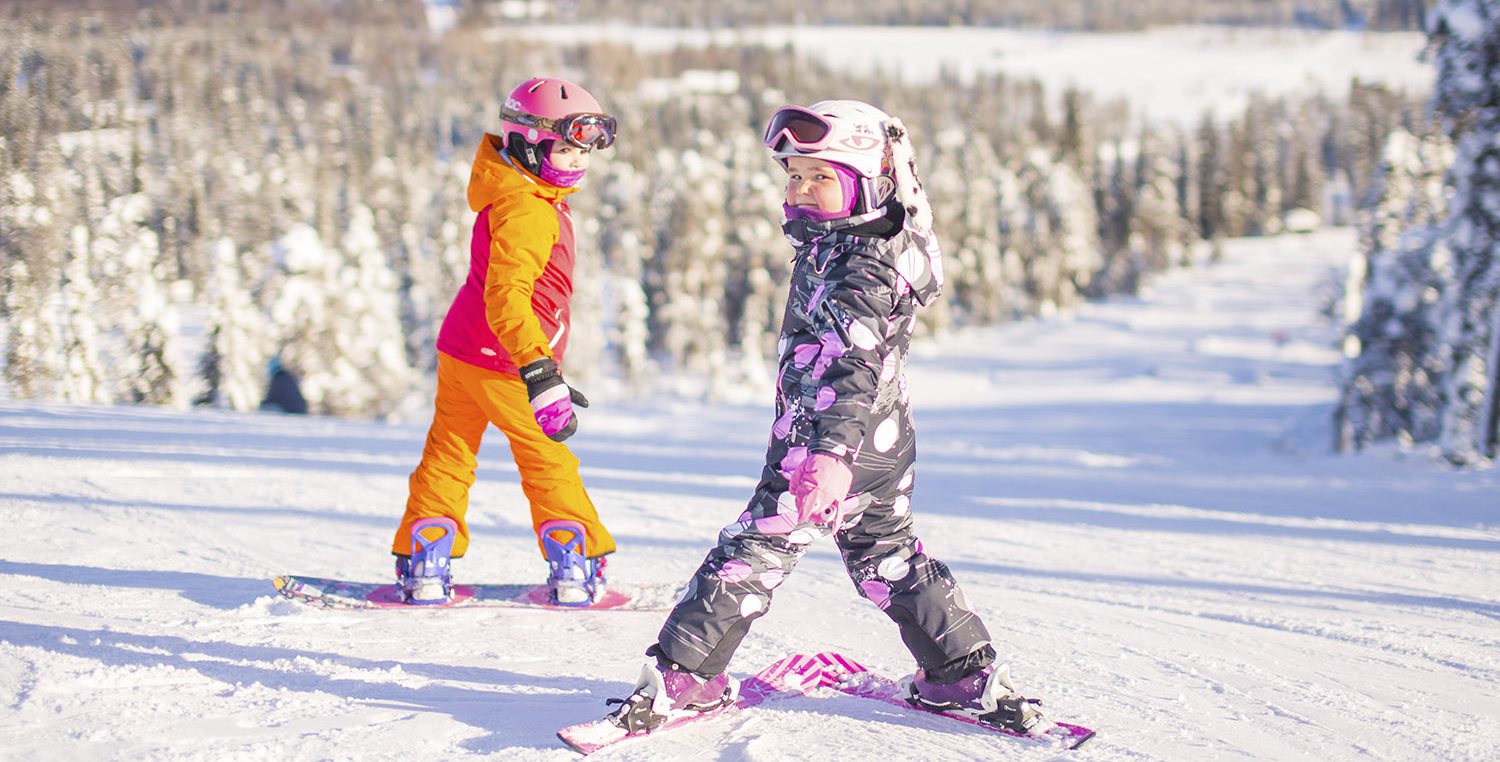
<point>500,348</point>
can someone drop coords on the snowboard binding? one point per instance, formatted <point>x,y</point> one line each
<point>426,577</point>
<point>986,695</point>
<point>573,578</point>
<point>662,694</point>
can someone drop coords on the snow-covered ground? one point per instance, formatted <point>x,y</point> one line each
<point>1138,498</point>
<point>1171,74</point>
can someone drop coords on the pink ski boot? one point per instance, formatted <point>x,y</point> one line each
<point>661,694</point>
<point>985,695</point>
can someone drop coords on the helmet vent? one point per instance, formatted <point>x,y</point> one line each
<point>564,92</point>
<point>535,87</point>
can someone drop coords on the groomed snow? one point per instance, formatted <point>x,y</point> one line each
<point>1138,499</point>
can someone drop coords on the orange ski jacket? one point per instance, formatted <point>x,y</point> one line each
<point>513,308</point>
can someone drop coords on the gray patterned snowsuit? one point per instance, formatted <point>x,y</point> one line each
<point>842,391</point>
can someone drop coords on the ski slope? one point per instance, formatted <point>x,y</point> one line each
<point>1138,498</point>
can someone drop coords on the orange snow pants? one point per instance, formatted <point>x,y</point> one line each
<point>469,399</point>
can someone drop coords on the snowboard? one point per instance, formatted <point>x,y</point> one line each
<point>343,594</point>
<point>799,674</point>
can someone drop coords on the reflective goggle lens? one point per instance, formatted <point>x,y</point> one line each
<point>589,130</point>
<point>804,128</point>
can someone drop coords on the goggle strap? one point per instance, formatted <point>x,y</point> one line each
<point>564,126</point>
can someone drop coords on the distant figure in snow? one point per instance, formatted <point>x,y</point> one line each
<point>842,451</point>
<point>284,393</point>
<point>501,347</point>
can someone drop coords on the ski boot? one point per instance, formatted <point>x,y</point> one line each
<point>985,695</point>
<point>664,693</point>
<point>426,577</point>
<point>574,579</point>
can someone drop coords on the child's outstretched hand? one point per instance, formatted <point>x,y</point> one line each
<point>820,485</point>
<point>552,400</point>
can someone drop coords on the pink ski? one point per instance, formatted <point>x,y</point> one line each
<point>793,674</point>
<point>797,674</point>
<point>850,677</point>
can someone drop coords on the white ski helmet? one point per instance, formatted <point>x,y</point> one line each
<point>852,134</point>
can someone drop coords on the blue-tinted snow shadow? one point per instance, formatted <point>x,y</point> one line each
<point>1067,578</point>
<point>1252,524</point>
<point>390,456</point>
<point>1206,456</point>
<point>209,590</point>
<point>311,514</point>
<point>524,718</point>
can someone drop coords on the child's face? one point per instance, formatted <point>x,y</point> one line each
<point>568,157</point>
<point>813,184</point>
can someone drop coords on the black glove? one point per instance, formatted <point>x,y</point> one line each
<point>552,400</point>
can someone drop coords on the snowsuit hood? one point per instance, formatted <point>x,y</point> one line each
<point>495,175</point>
<point>916,255</point>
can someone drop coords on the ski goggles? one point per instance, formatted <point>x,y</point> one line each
<point>582,130</point>
<point>805,130</point>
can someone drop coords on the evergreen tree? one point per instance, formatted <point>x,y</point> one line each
<point>1467,35</point>
<point>233,366</point>
<point>1426,350</point>
<point>138,304</point>
<point>1396,363</point>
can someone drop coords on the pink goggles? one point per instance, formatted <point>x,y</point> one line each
<point>582,130</point>
<point>805,130</point>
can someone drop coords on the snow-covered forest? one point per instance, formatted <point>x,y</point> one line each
<point>191,189</point>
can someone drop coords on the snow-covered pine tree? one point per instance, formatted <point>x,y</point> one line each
<point>362,344</point>
<point>1159,226</point>
<point>1064,253</point>
<point>1395,363</point>
<point>1213,184</point>
<point>1425,352</point>
<point>304,273</point>
<point>33,248</point>
<point>690,267</point>
<point>966,208</point>
<point>622,200</point>
<point>233,363</point>
<point>137,304</point>
<point>759,273</point>
<point>1466,35</point>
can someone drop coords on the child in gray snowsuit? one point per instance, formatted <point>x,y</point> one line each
<point>842,452</point>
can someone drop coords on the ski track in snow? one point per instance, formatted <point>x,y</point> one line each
<point>1137,497</point>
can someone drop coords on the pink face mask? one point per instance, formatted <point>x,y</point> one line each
<point>558,177</point>
<point>847,183</point>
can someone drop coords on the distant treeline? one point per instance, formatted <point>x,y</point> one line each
<point>1087,15</point>
<point>191,189</point>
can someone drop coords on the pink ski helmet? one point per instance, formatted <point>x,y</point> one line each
<point>547,108</point>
